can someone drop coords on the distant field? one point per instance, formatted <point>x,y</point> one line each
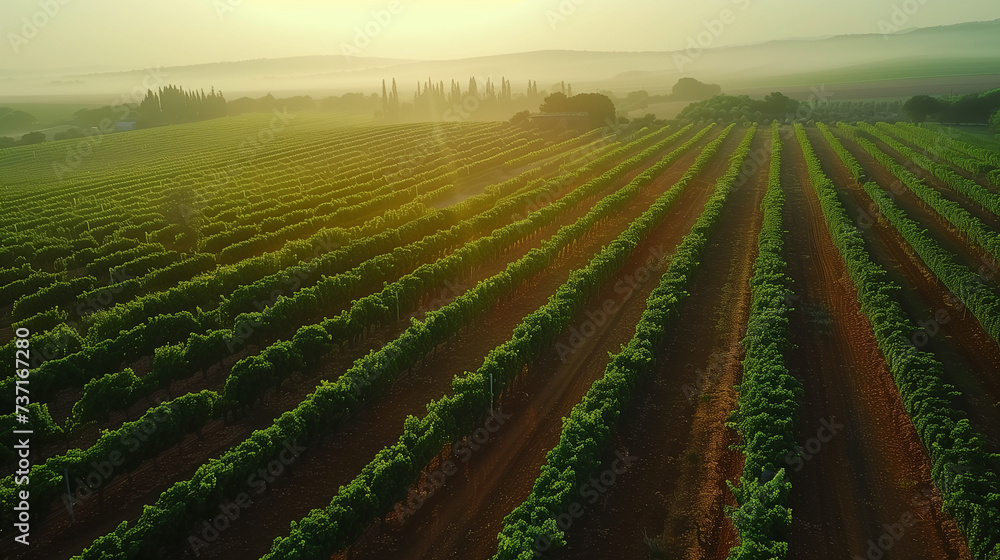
<point>52,162</point>
<point>49,115</point>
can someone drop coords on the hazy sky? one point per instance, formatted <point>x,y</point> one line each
<point>130,34</point>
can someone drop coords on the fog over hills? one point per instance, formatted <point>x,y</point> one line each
<point>925,53</point>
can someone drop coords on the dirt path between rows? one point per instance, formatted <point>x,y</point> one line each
<point>863,465</point>
<point>461,520</point>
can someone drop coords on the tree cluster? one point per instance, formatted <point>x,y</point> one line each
<point>436,101</point>
<point>730,108</point>
<point>13,119</point>
<point>600,108</point>
<point>172,104</point>
<point>26,140</point>
<point>971,108</point>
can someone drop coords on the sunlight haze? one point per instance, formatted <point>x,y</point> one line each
<point>117,35</point>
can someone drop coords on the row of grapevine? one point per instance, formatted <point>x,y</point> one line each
<point>971,497</point>
<point>349,209</point>
<point>975,145</point>
<point>103,258</point>
<point>251,376</point>
<point>81,222</point>
<point>768,396</point>
<point>138,189</point>
<point>172,362</point>
<point>554,149</point>
<point>133,312</point>
<point>588,431</point>
<point>243,298</point>
<point>182,271</point>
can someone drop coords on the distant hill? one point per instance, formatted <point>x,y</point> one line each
<point>934,56</point>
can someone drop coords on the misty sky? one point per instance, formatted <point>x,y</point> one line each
<point>128,34</point>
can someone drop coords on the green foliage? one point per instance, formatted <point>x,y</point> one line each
<point>68,134</point>
<point>945,147</point>
<point>969,108</point>
<point>13,119</point>
<point>729,108</point>
<point>520,118</point>
<point>767,407</point>
<point>104,394</point>
<point>600,107</point>
<point>921,107</point>
<point>690,89</point>
<point>32,138</point>
<point>969,225</point>
<point>971,189</point>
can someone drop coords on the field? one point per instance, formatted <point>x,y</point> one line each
<point>307,336</point>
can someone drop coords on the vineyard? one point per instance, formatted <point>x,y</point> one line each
<point>304,336</point>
